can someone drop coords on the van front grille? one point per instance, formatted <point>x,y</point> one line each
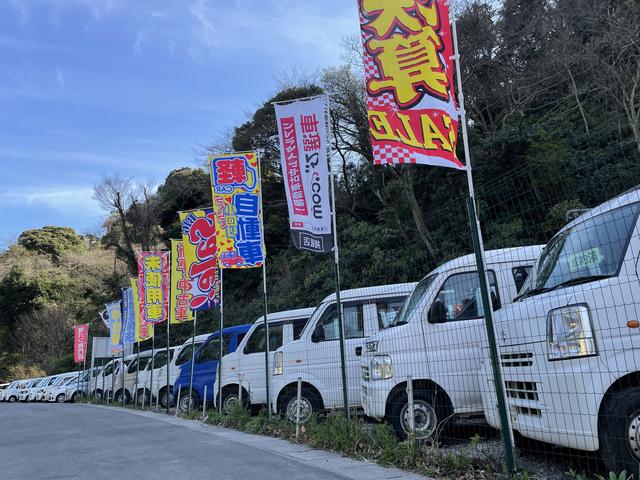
<point>524,359</point>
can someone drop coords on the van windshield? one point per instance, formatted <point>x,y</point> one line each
<point>590,250</point>
<point>414,301</point>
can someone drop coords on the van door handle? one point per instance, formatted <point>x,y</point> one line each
<point>358,351</point>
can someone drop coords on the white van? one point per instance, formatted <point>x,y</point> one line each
<point>437,340</point>
<point>315,357</point>
<point>64,388</point>
<point>23,394</point>
<point>570,347</point>
<point>10,394</point>
<point>111,377</point>
<point>35,393</point>
<point>246,364</point>
<point>160,369</point>
<point>9,387</point>
<point>130,374</point>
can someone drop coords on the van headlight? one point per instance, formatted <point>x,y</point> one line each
<point>570,333</point>
<point>381,367</point>
<point>278,364</point>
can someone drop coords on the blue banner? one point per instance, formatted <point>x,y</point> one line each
<point>128,317</point>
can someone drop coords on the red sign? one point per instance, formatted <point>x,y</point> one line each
<point>413,116</point>
<point>80,338</point>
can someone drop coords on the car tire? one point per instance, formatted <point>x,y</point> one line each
<point>60,398</point>
<point>164,398</point>
<point>13,399</point>
<point>428,414</point>
<point>118,398</point>
<point>185,399</point>
<point>230,396</point>
<point>619,431</point>
<point>310,404</point>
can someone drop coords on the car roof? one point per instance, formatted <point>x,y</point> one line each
<point>493,257</point>
<point>370,292</point>
<point>627,198</point>
<point>286,315</point>
<point>235,329</point>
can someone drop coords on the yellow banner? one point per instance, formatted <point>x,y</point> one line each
<point>179,311</point>
<point>144,331</point>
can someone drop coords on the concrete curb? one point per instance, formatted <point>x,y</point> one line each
<point>332,462</point>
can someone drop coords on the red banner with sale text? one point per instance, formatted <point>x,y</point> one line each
<point>80,339</point>
<point>409,72</point>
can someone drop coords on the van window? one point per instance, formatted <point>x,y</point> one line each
<point>298,327</point>
<point>257,341</point>
<point>591,249</point>
<point>185,355</point>
<point>520,275</point>
<point>327,327</point>
<point>460,295</point>
<point>212,350</point>
<point>387,312</point>
<point>161,359</point>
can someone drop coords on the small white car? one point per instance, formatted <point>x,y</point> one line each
<point>246,365</point>
<point>67,388</point>
<point>10,393</point>
<point>23,394</point>
<point>570,346</point>
<point>437,340</point>
<point>315,357</point>
<point>159,386</point>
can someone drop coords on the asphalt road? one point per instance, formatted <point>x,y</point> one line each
<point>52,441</point>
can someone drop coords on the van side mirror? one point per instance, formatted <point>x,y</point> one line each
<point>318,334</point>
<point>495,301</point>
<point>437,312</point>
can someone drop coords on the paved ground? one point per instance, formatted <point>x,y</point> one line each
<point>51,441</point>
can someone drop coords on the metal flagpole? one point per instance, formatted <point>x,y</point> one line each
<point>336,252</point>
<point>168,335</point>
<point>84,372</point>
<point>193,355</point>
<point>153,360</point>
<point>135,394</point>
<point>78,383</point>
<point>267,377</point>
<point>478,244</point>
<point>123,395</point>
<point>221,327</point>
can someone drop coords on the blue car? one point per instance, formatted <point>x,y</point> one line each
<point>206,367</point>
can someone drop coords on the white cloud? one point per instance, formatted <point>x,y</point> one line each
<point>66,199</point>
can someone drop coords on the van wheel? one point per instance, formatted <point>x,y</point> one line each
<point>620,432</point>
<point>12,399</point>
<point>309,404</point>
<point>60,398</point>
<point>166,397</point>
<point>142,397</point>
<point>187,401</point>
<point>118,398</point>
<point>427,414</point>
<point>230,398</point>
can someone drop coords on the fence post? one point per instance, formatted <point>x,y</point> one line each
<point>410,406</point>
<point>204,402</point>
<point>178,402</point>
<point>240,377</point>
<point>298,397</point>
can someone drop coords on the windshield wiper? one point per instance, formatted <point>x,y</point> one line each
<point>579,280</point>
<point>533,291</point>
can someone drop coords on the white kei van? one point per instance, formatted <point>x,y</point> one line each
<point>437,340</point>
<point>246,365</point>
<point>131,373</point>
<point>570,347</point>
<point>180,353</point>
<point>315,357</point>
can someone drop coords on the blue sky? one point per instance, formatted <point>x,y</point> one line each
<point>91,87</point>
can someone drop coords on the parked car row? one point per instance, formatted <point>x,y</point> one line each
<point>64,387</point>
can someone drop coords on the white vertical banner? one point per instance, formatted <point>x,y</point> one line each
<point>302,128</point>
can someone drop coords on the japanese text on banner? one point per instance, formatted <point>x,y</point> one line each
<point>235,185</point>
<point>201,258</point>
<point>153,286</point>
<point>128,317</point>
<point>409,73</point>
<point>143,329</point>
<point>80,337</point>
<point>180,285</point>
<point>303,152</point>
<point>115,326</point>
